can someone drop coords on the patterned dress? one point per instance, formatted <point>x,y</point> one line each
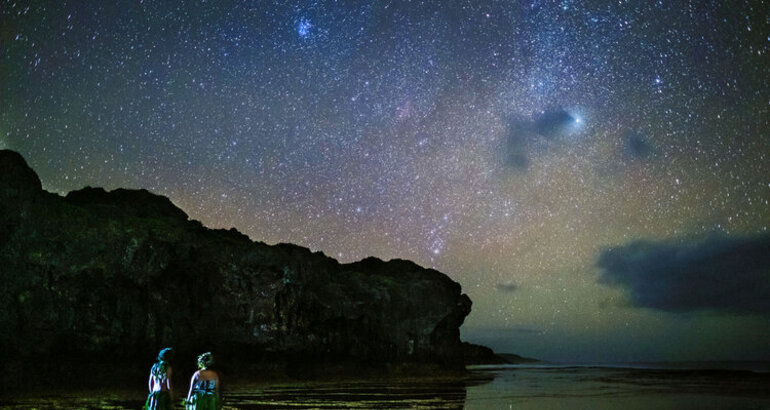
<point>204,396</point>
<point>159,399</point>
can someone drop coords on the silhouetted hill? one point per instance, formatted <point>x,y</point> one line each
<point>117,275</point>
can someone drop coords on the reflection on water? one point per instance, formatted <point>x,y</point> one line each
<point>79,400</point>
<point>361,394</point>
<point>556,387</point>
<point>532,387</point>
<point>383,394</point>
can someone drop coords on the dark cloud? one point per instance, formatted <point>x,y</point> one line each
<point>637,146</point>
<point>715,273</point>
<point>507,287</point>
<point>554,123</point>
<point>526,138</point>
<point>498,331</point>
<point>517,150</point>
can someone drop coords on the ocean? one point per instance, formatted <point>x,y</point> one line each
<point>632,386</point>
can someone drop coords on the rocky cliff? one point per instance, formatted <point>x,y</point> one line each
<point>120,274</point>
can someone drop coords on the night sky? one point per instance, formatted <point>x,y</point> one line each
<point>595,174</point>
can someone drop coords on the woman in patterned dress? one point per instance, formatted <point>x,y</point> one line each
<point>159,383</point>
<point>204,386</point>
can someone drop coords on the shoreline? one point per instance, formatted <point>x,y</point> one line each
<point>66,376</point>
<point>122,395</point>
<point>759,366</point>
<point>526,387</point>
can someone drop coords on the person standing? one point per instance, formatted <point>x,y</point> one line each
<point>204,386</point>
<point>159,383</point>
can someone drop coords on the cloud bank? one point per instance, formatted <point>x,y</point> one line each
<point>714,273</point>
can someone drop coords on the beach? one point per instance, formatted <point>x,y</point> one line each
<point>541,386</point>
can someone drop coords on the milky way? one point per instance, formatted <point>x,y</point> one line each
<point>526,149</point>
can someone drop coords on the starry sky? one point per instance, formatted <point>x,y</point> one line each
<point>595,174</point>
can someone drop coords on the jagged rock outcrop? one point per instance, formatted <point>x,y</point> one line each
<point>123,273</point>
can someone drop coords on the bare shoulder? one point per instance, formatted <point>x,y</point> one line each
<point>208,374</point>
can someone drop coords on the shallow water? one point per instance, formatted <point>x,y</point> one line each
<point>489,387</point>
<point>546,387</point>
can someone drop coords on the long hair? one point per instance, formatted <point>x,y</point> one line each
<point>160,370</point>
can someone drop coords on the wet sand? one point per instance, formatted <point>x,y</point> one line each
<point>532,387</point>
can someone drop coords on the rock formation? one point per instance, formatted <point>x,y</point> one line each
<point>124,273</point>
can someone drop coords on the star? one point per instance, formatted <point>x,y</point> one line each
<point>497,142</point>
<point>303,27</point>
